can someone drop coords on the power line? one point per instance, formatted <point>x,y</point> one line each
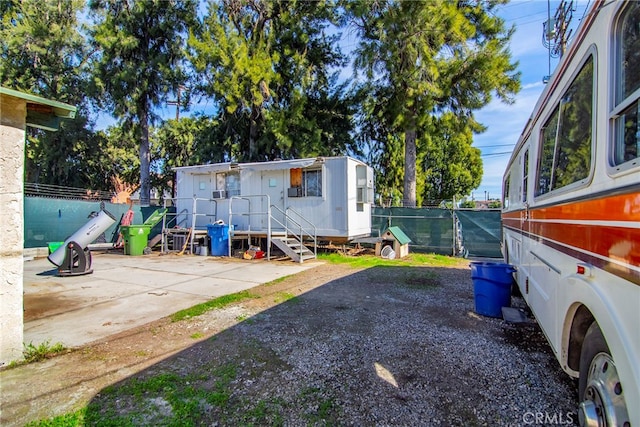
<point>504,153</point>
<point>494,146</point>
<point>527,16</point>
<point>512,4</point>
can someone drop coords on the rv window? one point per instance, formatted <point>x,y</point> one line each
<point>295,177</point>
<point>505,192</point>
<point>312,180</point>
<point>565,149</point>
<point>233,184</point>
<point>545,159</point>
<point>627,136</point>
<point>629,52</point>
<point>525,176</point>
<point>220,180</point>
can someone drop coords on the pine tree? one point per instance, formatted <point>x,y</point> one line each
<point>431,58</point>
<point>267,65</point>
<point>140,63</point>
<point>44,53</point>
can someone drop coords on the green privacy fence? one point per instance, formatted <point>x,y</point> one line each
<point>433,230</point>
<point>53,220</point>
<point>444,231</point>
<point>430,230</point>
<point>481,232</point>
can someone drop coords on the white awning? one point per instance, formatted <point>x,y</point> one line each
<point>205,169</point>
<point>273,165</point>
<point>279,164</point>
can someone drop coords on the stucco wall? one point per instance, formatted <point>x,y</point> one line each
<point>12,137</point>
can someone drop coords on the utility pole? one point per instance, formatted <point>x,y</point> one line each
<point>177,102</point>
<point>556,33</point>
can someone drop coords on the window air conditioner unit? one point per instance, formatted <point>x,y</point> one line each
<point>294,192</point>
<point>219,194</point>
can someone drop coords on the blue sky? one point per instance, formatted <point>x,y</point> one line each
<point>505,122</point>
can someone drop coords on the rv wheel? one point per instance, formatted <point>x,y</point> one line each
<point>601,396</point>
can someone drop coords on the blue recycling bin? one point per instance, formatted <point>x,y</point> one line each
<point>219,237</point>
<point>492,283</point>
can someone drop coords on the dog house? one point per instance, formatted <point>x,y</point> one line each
<point>395,239</point>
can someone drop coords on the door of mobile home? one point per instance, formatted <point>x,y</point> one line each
<point>203,207</point>
<point>273,185</point>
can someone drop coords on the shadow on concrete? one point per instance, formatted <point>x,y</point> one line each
<point>52,272</point>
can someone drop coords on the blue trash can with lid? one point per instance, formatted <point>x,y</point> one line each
<point>219,236</point>
<point>492,283</point>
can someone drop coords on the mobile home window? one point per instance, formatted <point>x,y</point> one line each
<point>312,182</point>
<point>364,185</point>
<point>565,148</point>
<point>625,114</point>
<point>228,182</point>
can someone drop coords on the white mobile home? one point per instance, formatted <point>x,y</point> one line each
<point>331,195</point>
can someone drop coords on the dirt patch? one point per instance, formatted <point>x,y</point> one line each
<point>330,345</point>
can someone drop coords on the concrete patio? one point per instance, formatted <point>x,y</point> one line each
<point>128,291</point>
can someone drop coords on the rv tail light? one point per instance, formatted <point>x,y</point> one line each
<point>584,270</point>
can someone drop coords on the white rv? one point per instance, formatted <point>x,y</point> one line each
<point>571,216</point>
<point>329,197</point>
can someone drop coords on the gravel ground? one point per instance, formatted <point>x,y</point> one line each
<point>385,346</point>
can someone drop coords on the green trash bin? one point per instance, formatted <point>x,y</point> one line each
<point>135,238</point>
<point>53,246</point>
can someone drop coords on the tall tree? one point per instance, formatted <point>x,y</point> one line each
<point>43,52</point>
<point>42,49</point>
<point>312,110</point>
<point>448,165</point>
<point>432,57</point>
<point>121,155</point>
<point>74,156</point>
<point>384,148</point>
<point>268,66</point>
<point>234,56</point>
<point>186,142</point>
<point>140,63</point>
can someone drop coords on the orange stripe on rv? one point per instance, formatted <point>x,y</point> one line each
<point>618,243</point>
<point>624,207</point>
<point>612,242</point>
